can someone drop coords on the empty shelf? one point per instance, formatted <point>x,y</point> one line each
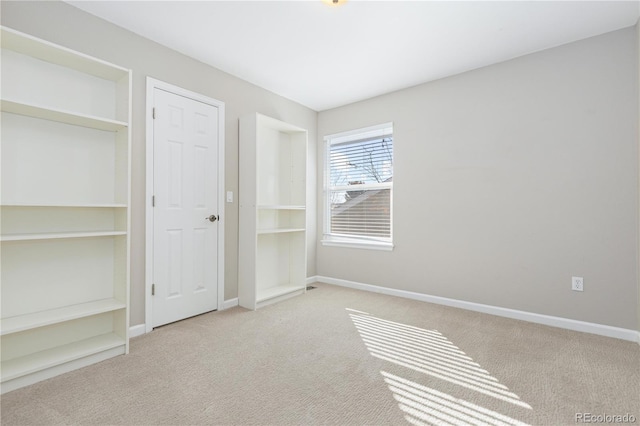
<point>62,116</point>
<point>54,316</point>
<point>59,235</point>
<point>32,363</point>
<point>271,292</point>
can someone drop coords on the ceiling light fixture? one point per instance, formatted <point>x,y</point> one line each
<point>334,2</point>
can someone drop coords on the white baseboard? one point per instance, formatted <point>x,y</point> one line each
<point>231,303</point>
<point>137,330</point>
<point>140,329</point>
<point>569,324</point>
<point>311,280</point>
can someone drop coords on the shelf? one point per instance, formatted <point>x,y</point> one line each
<point>281,207</point>
<point>280,230</point>
<point>28,364</point>
<point>59,235</point>
<point>49,52</point>
<point>54,316</point>
<point>271,292</point>
<point>65,240</point>
<point>61,116</point>
<point>79,205</point>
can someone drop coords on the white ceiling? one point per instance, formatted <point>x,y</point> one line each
<point>323,56</point>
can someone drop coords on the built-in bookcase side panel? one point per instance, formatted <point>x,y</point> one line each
<point>123,98</point>
<point>121,269</point>
<point>122,194</point>
<point>65,195</point>
<point>298,168</point>
<point>122,178</point>
<point>298,259</point>
<point>121,329</point>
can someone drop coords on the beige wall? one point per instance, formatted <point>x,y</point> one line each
<point>509,180</point>
<point>638,254</point>
<point>68,26</point>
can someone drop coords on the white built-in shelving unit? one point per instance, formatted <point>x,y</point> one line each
<point>272,246</point>
<point>64,206</point>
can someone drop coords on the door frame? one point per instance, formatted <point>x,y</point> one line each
<point>153,84</point>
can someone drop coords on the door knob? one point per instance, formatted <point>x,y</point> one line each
<point>212,218</point>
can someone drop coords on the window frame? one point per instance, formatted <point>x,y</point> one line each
<point>355,241</point>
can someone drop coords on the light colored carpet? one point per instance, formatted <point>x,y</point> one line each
<point>337,356</point>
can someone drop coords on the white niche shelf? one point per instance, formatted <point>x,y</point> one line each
<point>65,209</point>
<point>273,158</point>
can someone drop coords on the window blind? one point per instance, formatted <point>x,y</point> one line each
<point>360,186</point>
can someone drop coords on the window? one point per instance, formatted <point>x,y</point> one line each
<point>358,188</point>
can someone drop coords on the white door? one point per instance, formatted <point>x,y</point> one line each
<point>185,213</point>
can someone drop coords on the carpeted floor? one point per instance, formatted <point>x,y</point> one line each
<point>337,356</point>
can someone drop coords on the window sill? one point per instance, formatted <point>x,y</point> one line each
<point>368,245</point>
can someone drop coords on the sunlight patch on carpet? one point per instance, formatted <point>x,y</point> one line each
<point>423,404</point>
<point>431,353</point>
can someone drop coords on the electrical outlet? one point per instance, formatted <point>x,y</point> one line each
<point>577,284</point>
